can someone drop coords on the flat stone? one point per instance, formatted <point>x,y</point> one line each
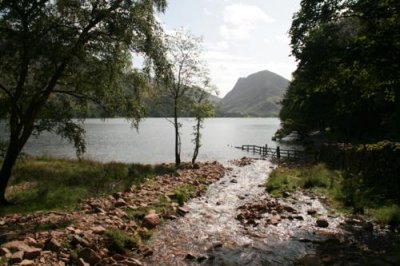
<point>5,252</point>
<point>17,257</point>
<point>79,240</point>
<point>52,244</point>
<point>120,203</point>
<point>98,229</point>
<point>32,253</point>
<point>89,255</point>
<point>27,263</point>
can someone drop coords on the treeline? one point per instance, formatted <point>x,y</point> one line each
<point>347,84</point>
<point>346,89</point>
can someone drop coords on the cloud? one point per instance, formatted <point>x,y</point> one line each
<point>241,19</point>
<point>207,12</point>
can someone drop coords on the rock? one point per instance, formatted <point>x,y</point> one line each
<point>133,262</point>
<point>311,211</point>
<point>120,203</point>
<point>27,263</point>
<point>289,209</point>
<point>151,220</point>
<point>5,252</point>
<point>8,237</point>
<point>274,220</point>
<point>79,240</point>
<point>89,255</point>
<point>201,258</point>
<point>29,252</point>
<point>182,211</point>
<point>234,181</point>
<point>52,244</point>
<point>17,257</point>
<point>81,262</point>
<point>32,253</point>
<point>98,229</point>
<point>322,223</point>
<point>286,194</point>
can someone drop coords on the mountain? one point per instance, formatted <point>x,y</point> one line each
<point>257,95</point>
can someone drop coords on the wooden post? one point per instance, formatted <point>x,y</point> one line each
<point>278,152</point>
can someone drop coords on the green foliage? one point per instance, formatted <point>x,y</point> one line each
<point>50,226</point>
<point>389,214</point>
<point>346,83</point>
<point>289,179</point>
<point>46,184</point>
<point>59,57</point>
<point>120,242</point>
<point>184,193</point>
<point>344,191</point>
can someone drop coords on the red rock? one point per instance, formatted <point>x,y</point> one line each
<point>27,263</point>
<point>81,262</point>
<point>18,245</point>
<point>120,203</point>
<point>17,257</point>
<point>5,252</point>
<point>32,253</point>
<point>52,244</point>
<point>98,229</point>
<point>133,262</point>
<point>89,255</point>
<point>151,220</point>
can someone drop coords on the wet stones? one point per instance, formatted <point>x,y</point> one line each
<point>151,220</point>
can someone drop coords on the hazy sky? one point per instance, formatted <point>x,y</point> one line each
<point>240,36</point>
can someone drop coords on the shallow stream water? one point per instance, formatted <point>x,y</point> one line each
<point>211,234</point>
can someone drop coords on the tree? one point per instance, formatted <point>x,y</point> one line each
<point>201,108</point>
<point>184,54</point>
<point>347,79</point>
<point>57,56</point>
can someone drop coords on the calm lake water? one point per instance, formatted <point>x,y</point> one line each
<point>114,140</point>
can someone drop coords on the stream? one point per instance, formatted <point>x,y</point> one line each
<point>237,223</point>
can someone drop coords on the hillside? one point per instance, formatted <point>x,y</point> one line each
<point>256,95</point>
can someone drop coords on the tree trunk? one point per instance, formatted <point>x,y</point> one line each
<point>5,172</point>
<point>196,141</point>
<point>177,139</point>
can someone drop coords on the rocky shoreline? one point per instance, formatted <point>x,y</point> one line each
<point>82,237</point>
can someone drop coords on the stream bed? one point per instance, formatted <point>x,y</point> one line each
<point>237,223</point>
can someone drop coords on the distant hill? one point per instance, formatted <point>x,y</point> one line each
<point>256,95</point>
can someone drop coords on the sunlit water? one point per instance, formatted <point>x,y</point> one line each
<point>210,230</point>
<point>115,140</point>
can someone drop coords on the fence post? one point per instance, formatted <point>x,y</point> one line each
<point>278,153</point>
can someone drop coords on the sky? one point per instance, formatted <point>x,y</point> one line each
<point>240,37</point>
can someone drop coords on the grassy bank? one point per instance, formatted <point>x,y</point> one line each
<point>343,191</point>
<point>48,184</point>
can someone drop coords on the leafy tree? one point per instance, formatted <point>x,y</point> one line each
<point>348,77</point>
<point>188,71</point>
<point>201,108</point>
<point>57,56</point>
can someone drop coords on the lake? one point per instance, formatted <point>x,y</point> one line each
<point>114,140</point>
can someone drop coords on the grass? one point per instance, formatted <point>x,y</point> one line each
<point>120,242</point>
<point>46,184</point>
<point>184,193</point>
<point>345,192</point>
